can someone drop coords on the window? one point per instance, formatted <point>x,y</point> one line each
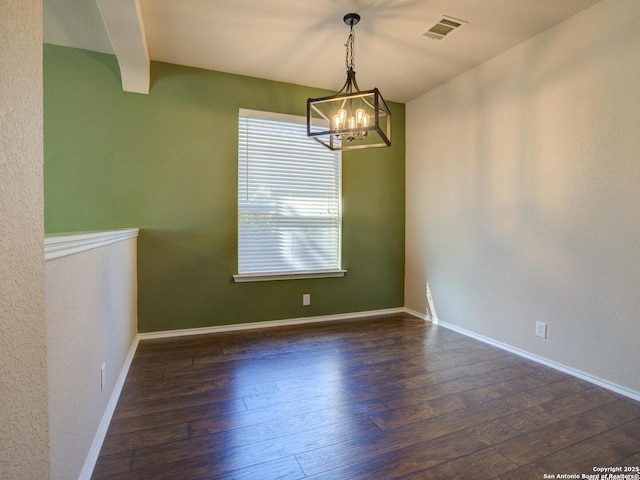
<point>289,215</point>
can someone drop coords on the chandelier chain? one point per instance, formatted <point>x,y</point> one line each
<point>350,56</point>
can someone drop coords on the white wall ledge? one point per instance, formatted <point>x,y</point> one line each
<point>64,244</point>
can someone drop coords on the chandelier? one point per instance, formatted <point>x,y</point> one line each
<point>351,119</point>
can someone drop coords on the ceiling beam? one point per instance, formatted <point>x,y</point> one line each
<point>123,19</point>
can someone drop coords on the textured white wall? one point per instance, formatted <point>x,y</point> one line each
<point>24,448</point>
<point>91,300</point>
<point>523,195</point>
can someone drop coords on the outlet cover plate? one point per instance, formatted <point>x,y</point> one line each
<point>541,329</point>
<point>103,372</point>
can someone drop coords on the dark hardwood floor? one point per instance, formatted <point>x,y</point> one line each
<point>385,397</point>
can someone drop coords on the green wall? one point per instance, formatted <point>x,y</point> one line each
<point>167,163</point>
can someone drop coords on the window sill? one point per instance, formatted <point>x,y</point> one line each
<point>267,277</point>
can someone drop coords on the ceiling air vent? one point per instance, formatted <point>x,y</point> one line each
<point>443,28</point>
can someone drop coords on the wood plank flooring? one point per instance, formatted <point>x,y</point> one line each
<point>385,397</point>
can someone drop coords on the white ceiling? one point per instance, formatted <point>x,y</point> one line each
<point>302,41</point>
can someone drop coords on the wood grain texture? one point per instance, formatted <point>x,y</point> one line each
<point>386,397</point>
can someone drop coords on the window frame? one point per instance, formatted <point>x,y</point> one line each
<point>288,275</point>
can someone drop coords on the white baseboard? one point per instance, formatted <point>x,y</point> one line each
<point>423,316</point>
<point>268,324</point>
<point>98,439</point>
<point>549,363</point>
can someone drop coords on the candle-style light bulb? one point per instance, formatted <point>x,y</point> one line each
<point>336,122</point>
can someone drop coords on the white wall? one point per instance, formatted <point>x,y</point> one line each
<point>91,300</point>
<point>523,195</point>
<point>24,448</point>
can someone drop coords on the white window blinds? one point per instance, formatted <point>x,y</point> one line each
<point>289,216</point>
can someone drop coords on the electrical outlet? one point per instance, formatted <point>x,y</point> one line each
<point>306,299</point>
<point>103,378</point>
<point>541,329</point>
